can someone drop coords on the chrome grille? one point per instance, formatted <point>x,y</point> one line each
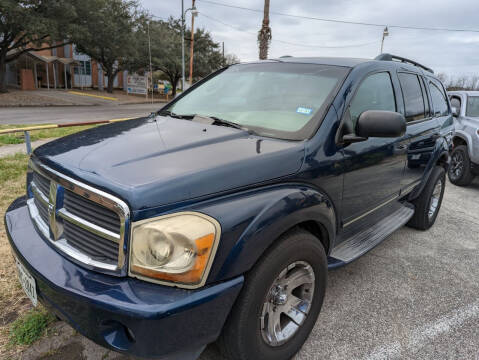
<point>93,245</point>
<point>42,183</point>
<point>91,211</point>
<point>42,210</point>
<point>85,223</point>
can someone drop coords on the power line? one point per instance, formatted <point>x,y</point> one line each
<point>341,21</point>
<point>288,42</point>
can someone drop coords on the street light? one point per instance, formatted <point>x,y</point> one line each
<point>385,33</point>
<point>194,12</point>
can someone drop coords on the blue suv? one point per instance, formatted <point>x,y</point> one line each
<point>217,218</point>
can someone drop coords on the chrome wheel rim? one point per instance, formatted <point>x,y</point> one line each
<point>287,303</point>
<point>457,165</point>
<point>436,196</point>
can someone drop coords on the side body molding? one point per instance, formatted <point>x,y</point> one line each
<point>252,221</point>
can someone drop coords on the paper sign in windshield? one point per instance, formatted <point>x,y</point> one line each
<point>304,110</point>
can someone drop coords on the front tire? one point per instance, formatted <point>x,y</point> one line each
<point>460,172</point>
<point>280,301</point>
<point>429,202</point>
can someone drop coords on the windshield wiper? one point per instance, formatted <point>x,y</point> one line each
<point>223,122</point>
<point>173,115</point>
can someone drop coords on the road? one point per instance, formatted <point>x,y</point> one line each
<point>67,114</point>
<point>415,296</point>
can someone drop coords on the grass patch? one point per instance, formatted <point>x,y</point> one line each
<point>19,138</point>
<point>30,327</point>
<point>12,298</point>
<point>12,167</point>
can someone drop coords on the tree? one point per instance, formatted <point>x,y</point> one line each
<point>107,34</point>
<point>264,35</point>
<point>166,51</point>
<point>27,25</point>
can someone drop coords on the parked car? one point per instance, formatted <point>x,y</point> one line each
<point>217,218</point>
<point>465,156</point>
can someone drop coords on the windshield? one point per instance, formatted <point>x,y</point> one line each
<point>281,100</point>
<point>472,108</point>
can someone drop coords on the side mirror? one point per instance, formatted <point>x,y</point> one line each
<point>376,123</point>
<point>455,111</point>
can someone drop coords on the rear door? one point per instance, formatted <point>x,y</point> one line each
<point>422,128</point>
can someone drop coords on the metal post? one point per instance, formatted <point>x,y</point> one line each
<point>27,142</point>
<point>55,76</point>
<point>182,45</point>
<point>151,68</point>
<point>48,77</point>
<point>192,41</point>
<point>35,74</point>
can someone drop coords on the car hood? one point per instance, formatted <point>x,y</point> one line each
<point>151,162</point>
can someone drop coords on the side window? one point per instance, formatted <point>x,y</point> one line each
<point>413,96</point>
<point>456,102</point>
<point>375,93</point>
<point>439,102</point>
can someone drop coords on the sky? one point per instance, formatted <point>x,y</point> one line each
<point>453,53</point>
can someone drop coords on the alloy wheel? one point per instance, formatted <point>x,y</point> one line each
<point>457,165</point>
<point>287,303</point>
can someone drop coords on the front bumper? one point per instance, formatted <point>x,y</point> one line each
<point>120,313</point>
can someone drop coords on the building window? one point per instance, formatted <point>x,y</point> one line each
<point>83,68</point>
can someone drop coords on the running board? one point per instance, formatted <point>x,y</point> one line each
<point>365,240</point>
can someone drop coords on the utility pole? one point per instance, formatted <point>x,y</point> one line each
<point>264,35</point>
<point>151,68</point>
<point>182,45</point>
<point>192,42</point>
<point>385,33</point>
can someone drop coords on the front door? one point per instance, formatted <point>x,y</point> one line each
<point>372,168</point>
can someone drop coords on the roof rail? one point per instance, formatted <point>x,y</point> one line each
<point>389,57</point>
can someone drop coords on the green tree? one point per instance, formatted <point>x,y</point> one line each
<point>107,34</point>
<point>166,51</point>
<point>27,25</point>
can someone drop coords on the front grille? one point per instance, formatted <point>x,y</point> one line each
<point>42,210</point>
<point>85,223</point>
<point>91,244</point>
<point>91,211</point>
<point>42,183</point>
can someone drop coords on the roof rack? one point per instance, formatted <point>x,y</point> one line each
<point>389,57</point>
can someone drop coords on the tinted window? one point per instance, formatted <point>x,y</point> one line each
<point>472,109</point>
<point>438,96</point>
<point>375,93</point>
<point>413,96</point>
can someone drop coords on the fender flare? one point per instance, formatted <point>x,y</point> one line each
<point>440,156</point>
<point>282,208</point>
<point>467,138</point>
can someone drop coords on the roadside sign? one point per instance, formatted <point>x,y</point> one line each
<point>136,84</point>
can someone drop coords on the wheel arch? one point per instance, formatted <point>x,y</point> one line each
<point>304,208</point>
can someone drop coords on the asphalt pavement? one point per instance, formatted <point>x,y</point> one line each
<point>415,296</point>
<point>70,114</point>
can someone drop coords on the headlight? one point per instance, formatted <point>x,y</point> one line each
<point>177,248</point>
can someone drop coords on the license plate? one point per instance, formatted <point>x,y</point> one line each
<point>28,282</point>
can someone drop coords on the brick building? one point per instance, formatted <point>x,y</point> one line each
<point>55,68</point>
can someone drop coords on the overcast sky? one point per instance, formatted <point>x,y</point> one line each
<point>450,52</point>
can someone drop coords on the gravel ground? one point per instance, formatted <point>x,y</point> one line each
<point>415,296</point>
